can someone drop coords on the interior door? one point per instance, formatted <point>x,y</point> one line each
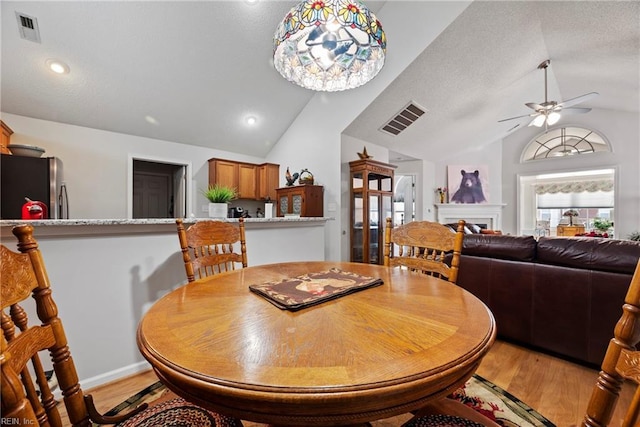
<point>152,195</point>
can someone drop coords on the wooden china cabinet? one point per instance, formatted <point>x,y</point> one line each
<point>371,203</point>
<point>303,200</point>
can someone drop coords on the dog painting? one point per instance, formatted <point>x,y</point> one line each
<point>466,184</point>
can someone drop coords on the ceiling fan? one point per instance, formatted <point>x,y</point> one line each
<point>548,112</point>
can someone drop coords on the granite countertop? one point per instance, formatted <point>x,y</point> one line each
<point>151,221</point>
<point>89,227</point>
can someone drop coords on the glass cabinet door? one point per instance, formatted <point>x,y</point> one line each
<point>357,239</point>
<point>284,205</point>
<point>375,239</point>
<point>296,202</point>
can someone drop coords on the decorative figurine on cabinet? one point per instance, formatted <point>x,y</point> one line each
<point>291,179</point>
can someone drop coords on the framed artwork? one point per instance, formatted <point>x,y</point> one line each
<point>468,183</point>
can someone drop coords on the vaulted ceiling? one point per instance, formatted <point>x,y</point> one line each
<point>192,72</point>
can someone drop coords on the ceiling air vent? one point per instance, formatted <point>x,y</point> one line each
<point>28,27</point>
<point>403,119</point>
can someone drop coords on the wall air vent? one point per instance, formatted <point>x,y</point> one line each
<point>28,27</point>
<point>403,119</point>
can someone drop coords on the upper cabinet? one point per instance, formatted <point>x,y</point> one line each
<point>6,139</point>
<point>223,172</point>
<point>252,181</point>
<point>268,180</point>
<point>247,186</point>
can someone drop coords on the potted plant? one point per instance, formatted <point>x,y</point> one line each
<point>602,224</point>
<point>219,197</point>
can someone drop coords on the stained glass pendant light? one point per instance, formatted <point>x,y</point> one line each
<point>329,45</point>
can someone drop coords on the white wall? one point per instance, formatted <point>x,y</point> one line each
<point>95,163</point>
<point>621,129</point>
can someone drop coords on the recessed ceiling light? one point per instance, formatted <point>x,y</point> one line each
<point>152,120</point>
<point>251,120</point>
<point>57,66</point>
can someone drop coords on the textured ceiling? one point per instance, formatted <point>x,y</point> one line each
<point>483,68</point>
<point>199,68</point>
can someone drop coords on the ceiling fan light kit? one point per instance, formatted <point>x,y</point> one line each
<point>329,46</point>
<point>548,112</point>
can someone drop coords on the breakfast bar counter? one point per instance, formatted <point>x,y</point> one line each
<point>49,227</point>
<point>106,273</point>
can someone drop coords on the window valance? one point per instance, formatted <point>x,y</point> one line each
<point>575,187</point>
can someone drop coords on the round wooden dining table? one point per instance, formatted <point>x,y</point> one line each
<point>368,355</point>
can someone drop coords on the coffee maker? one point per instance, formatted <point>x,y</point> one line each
<point>236,212</point>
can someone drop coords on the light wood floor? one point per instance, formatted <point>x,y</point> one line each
<point>558,389</point>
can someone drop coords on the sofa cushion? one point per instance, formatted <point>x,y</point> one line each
<point>514,248</point>
<point>590,253</point>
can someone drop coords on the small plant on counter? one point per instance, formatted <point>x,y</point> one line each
<point>602,224</point>
<point>220,194</point>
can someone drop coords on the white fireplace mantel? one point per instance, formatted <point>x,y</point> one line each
<point>478,213</point>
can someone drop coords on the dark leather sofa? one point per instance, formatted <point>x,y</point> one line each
<point>561,295</point>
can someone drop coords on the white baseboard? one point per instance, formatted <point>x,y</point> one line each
<point>117,374</point>
<point>108,377</point>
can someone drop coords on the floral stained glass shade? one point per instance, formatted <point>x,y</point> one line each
<point>329,45</point>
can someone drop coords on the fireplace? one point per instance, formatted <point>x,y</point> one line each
<point>485,215</point>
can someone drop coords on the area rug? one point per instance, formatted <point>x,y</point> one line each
<point>478,393</point>
<point>168,410</point>
<point>498,404</point>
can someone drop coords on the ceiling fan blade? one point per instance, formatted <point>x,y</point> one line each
<point>534,106</point>
<point>575,110</point>
<point>519,117</point>
<point>577,100</point>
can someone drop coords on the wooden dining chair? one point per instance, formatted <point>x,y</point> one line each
<point>27,398</point>
<point>208,247</point>
<point>621,362</point>
<point>424,246</point>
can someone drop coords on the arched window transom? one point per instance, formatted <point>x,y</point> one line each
<point>563,142</point>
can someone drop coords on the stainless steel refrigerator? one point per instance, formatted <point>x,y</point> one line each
<point>35,178</point>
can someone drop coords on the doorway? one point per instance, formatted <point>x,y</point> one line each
<point>158,189</point>
<point>404,199</point>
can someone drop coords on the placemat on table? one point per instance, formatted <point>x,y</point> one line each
<point>313,288</point>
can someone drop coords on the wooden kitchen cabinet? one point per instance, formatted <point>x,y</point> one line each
<point>268,181</point>
<point>303,200</point>
<point>246,181</point>
<point>223,172</point>
<point>251,181</point>
<point>6,138</point>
